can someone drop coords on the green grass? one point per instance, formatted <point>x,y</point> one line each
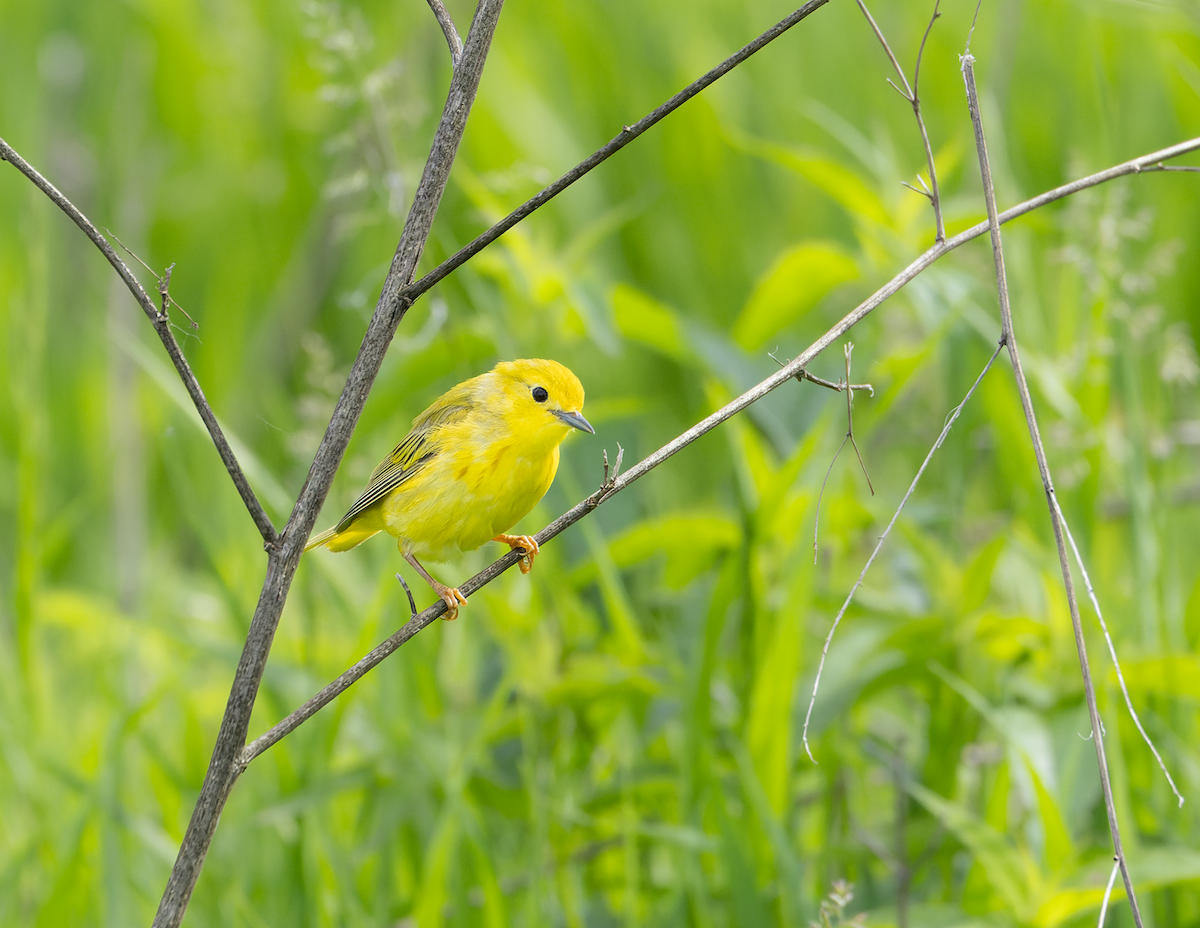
<point>614,739</point>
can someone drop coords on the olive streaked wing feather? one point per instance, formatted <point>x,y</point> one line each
<point>403,463</point>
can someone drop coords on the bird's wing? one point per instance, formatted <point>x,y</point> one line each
<point>409,457</point>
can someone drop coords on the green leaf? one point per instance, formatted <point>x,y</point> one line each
<point>797,280</point>
<point>1007,870</point>
<point>643,319</point>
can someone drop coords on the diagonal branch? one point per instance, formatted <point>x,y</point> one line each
<point>162,327</point>
<point>793,368</point>
<point>910,94</point>
<point>443,17</point>
<point>282,560</point>
<point>950,420</point>
<point>1112,652</point>
<point>626,135</point>
<point>968,69</point>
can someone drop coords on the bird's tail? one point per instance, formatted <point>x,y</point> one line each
<point>350,537</point>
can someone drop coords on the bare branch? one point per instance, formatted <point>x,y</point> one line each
<point>821,494</point>
<point>623,138</point>
<point>162,327</point>
<point>443,17</point>
<point>907,91</point>
<point>910,94</point>
<point>793,369</point>
<point>954,414</point>
<point>1112,878</point>
<point>412,603</point>
<point>850,419</point>
<point>1112,651</point>
<point>223,768</point>
<point>968,69</point>
<point>822,382</point>
<point>935,197</point>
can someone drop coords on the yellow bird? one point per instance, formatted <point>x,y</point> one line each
<point>475,462</point>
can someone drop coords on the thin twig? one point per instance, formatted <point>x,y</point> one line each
<point>223,768</point>
<point>304,712</point>
<point>1112,651</point>
<point>623,138</point>
<point>1112,878</point>
<point>935,196</point>
<point>850,420</point>
<point>412,603</point>
<point>162,327</point>
<point>609,481</point>
<point>448,30</point>
<point>950,420</point>
<point>822,382</point>
<point>968,70</point>
<point>821,495</point>
<point>910,94</point>
<point>162,280</point>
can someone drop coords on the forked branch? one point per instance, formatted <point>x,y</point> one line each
<point>989,193</point>
<point>788,371</point>
<point>162,327</point>
<point>910,94</point>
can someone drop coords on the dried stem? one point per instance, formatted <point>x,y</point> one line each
<point>626,135</point>
<point>793,369</point>
<point>850,419</point>
<point>162,327</point>
<point>1112,878</point>
<point>822,382</point>
<point>954,414</point>
<point>443,17</point>
<point>910,94</point>
<point>968,70</point>
<point>848,350</point>
<point>1112,651</point>
<point>223,769</point>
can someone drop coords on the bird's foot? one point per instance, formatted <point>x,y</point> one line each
<point>452,598</point>
<point>528,546</point>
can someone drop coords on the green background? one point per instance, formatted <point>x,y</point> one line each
<point>613,740</point>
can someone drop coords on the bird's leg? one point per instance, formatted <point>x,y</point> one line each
<point>450,596</point>
<point>527,544</point>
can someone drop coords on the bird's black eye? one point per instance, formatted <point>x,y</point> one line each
<point>540,394</point>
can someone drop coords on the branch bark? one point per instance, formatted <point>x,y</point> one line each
<point>627,135</point>
<point>162,327</point>
<point>989,193</point>
<point>793,368</point>
<point>443,17</point>
<point>223,768</point>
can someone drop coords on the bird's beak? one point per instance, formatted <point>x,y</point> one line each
<point>574,420</point>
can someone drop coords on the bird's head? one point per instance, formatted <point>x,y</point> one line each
<point>543,398</point>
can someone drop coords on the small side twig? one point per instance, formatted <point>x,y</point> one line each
<point>849,438</point>
<point>1112,878</point>
<point>448,30</point>
<point>850,420</point>
<point>1112,652</point>
<point>627,134</point>
<point>791,370</point>
<point>822,382</point>
<point>610,482</point>
<point>950,420</point>
<point>163,280</point>
<point>910,94</point>
<point>989,192</point>
<point>162,327</point>
<point>412,603</point>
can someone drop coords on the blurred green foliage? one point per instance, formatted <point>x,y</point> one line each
<point>614,739</point>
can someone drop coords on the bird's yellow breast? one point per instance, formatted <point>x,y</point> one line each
<point>470,492</point>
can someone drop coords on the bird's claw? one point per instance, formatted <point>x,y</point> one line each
<point>528,546</point>
<point>453,599</point>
